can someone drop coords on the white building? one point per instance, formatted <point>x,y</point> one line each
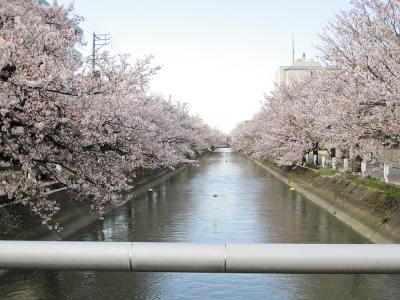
<point>300,67</point>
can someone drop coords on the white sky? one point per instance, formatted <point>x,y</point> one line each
<point>220,56</point>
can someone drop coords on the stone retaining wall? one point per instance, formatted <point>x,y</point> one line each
<point>18,222</point>
<point>368,212</point>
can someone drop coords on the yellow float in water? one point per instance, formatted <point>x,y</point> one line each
<point>292,188</point>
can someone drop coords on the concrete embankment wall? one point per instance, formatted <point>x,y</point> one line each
<point>368,212</point>
<point>18,222</point>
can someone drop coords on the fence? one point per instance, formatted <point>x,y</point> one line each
<point>209,258</point>
<point>385,166</point>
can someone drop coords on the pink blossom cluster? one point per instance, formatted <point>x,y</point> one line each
<point>90,132</point>
<point>351,103</point>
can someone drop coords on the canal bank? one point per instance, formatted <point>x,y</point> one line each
<point>20,223</point>
<point>252,206</point>
<point>368,212</point>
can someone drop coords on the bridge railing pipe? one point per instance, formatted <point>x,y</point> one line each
<point>202,258</point>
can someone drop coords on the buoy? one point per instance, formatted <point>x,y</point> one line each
<point>150,190</point>
<point>292,188</point>
<point>215,195</point>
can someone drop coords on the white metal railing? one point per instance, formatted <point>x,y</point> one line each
<point>206,258</point>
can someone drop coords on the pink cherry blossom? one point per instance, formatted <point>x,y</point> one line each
<point>90,134</point>
<point>351,102</point>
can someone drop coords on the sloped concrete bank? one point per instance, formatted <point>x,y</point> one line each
<point>17,222</point>
<point>369,212</point>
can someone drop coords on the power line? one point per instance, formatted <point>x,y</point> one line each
<point>93,24</point>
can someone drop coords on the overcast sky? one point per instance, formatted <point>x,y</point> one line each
<point>220,56</point>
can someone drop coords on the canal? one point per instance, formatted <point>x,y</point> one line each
<point>252,207</point>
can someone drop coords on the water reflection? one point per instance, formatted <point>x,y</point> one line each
<point>251,206</point>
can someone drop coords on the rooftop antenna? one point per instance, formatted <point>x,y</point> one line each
<point>293,49</point>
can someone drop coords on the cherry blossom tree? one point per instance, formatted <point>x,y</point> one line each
<point>247,134</point>
<point>350,103</point>
<point>363,46</point>
<point>90,134</point>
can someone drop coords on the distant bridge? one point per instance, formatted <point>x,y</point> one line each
<point>202,258</point>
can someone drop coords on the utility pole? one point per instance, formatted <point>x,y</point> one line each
<point>99,40</point>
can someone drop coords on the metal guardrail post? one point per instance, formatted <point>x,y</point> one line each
<point>206,258</point>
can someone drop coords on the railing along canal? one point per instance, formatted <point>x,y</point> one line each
<point>202,258</point>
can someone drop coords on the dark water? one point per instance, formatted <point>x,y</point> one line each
<point>252,207</point>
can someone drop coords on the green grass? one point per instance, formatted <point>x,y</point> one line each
<point>326,171</point>
<point>384,219</point>
<point>390,190</point>
<point>376,184</point>
<point>393,192</point>
<point>72,178</point>
<point>389,198</point>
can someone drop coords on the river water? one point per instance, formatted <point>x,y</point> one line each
<point>252,207</point>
